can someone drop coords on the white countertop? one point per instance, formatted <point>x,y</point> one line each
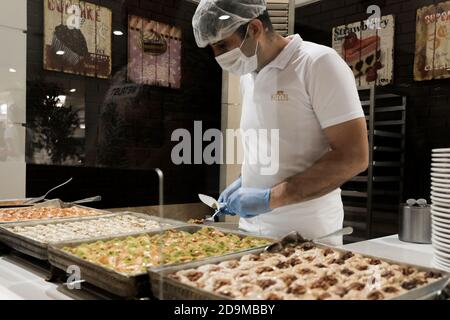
<point>392,248</point>
<point>23,280</point>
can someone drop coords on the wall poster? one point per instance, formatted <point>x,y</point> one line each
<point>369,51</point>
<point>432,55</point>
<point>77,38</point>
<point>154,53</point>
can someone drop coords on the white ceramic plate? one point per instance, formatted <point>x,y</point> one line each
<point>440,239</point>
<point>445,219</point>
<point>441,150</point>
<point>438,189</point>
<point>441,252</point>
<point>439,208</point>
<point>437,238</point>
<point>445,225</point>
<point>440,165</point>
<point>440,200</point>
<point>442,225</point>
<point>445,257</point>
<point>443,232</point>
<point>442,261</point>
<point>440,195</point>
<point>439,266</point>
<point>441,181</point>
<point>440,216</point>
<point>440,160</point>
<point>440,203</point>
<point>441,245</point>
<point>440,185</point>
<point>440,155</point>
<point>440,170</point>
<point>441,175</point>
<point>441,235</point>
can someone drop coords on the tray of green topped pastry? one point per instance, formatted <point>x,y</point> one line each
<point>33,238</point>
<point>119,265</point>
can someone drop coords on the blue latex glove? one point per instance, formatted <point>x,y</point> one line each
<point>249,202</point>
<point>223,198</point>
<point>229,190</point>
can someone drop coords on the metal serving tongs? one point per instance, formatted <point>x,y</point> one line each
<point>61,204</point>
<point>295,238</point>
<point>39,199</point>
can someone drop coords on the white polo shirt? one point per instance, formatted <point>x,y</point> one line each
<point>305,89</point>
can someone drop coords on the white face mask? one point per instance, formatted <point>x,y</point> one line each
<point>236,62</point>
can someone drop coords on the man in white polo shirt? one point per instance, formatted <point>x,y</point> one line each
<point>308,93</point>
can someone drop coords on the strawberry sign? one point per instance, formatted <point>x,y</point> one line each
<point>368,49</point>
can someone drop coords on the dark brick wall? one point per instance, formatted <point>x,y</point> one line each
<point>428,110</point>
<point>166,110</point>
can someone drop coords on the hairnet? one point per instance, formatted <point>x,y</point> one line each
<point>216,20</point>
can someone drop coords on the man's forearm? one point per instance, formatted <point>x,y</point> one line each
<point>328,174</point>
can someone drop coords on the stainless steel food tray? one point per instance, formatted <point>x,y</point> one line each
<point>14,203</point>
<point>167,288</point>
<point>54,204</point>
<point>120,284</point>
<point>39,250</point>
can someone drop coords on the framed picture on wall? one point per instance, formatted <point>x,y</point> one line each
<point>154,53</point>
<point>432,54</point>
<point>77,38</point>
<point>368,49</point>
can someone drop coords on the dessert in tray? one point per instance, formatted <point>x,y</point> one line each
<point>134,255</point>
<point>44,213</point>
<point>305,272</point>
<point>77,230</point>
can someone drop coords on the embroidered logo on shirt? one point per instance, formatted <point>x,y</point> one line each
<point>280,96</point>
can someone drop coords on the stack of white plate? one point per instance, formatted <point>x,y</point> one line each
<point>440,208</point>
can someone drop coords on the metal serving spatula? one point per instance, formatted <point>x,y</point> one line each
<point>212,203</point>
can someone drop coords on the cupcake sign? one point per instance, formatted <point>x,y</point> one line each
<point>368,50</point>
<point>77,38</point>
<point>432,55</point>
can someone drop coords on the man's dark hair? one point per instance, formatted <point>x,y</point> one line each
<point>264,18</point>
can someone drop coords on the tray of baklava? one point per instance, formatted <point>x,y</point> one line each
<point>33,238</point>
<point>119,264</point>
<point>48,210</point>
<point>300,271</point>
<point>14,203</point>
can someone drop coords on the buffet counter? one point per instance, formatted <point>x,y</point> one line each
<point>21,279</point>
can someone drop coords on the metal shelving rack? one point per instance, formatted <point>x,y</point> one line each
<point>371,199</point>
